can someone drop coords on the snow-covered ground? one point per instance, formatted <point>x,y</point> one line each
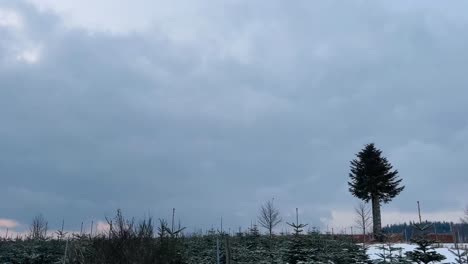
<point>373,251</point>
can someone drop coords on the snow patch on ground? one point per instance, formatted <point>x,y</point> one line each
<point>444,250</point>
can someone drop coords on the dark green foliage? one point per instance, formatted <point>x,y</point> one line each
<point>31,251</point>
<point>372,178</point>
<point>424,252</point>
<point>128,241</point>
<point>408,230</point>
<point>392,254</point>
<point>297,250</point>
<point>195,249</point>
<point>372,175</point>
<point>441,227</point>
<point>354,254</point>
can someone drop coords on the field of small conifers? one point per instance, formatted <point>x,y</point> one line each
<point>139,242</point>
<point>129,241</point>
<point>196,249</point>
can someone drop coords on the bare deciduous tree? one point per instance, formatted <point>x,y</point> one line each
<point>269,217</point>
<point>465,219</point>
<point>121,228</point>
<point>38,228</point>
<point>363,218</point>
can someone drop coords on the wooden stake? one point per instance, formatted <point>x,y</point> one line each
<point>173,213</point>
<point>419,212</point>
<point>297,216</point>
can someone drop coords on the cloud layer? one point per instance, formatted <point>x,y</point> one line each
<point>213,108</point>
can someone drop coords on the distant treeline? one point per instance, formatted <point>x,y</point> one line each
<point>458,230</point>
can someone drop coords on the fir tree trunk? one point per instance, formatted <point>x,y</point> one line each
<point>376,217</point>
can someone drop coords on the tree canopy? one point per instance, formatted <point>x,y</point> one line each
<point>372,175</point>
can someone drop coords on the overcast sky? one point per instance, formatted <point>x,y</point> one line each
<point>214,107</point>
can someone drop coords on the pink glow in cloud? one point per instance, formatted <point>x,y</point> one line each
<point>102,227</point>
<point>8,223</point>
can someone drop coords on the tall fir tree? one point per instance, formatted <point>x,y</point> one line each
<point>373,179</point>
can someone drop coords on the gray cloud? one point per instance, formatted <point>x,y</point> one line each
<point>213,109</point>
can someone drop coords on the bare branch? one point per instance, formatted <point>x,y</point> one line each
<point>465,218</point>
<point>269,217</point>
<point>363,218</point>
<point>38,228</point>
